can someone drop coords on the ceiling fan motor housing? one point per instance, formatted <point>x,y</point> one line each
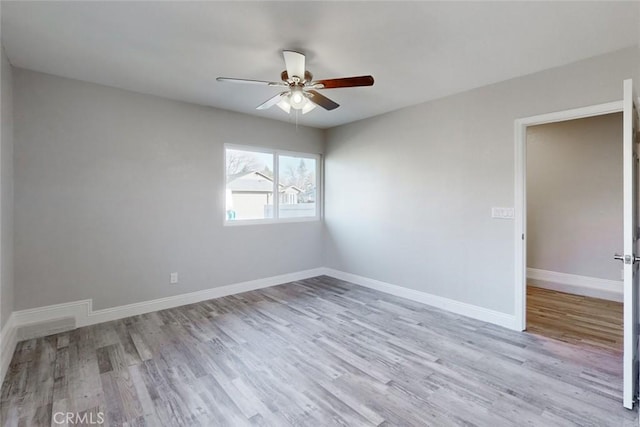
<point>307,77</point>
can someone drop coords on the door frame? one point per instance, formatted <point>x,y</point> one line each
<point>520,229</point>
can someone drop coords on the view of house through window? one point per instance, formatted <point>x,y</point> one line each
<point>250,185</point>
<point>297,179</point>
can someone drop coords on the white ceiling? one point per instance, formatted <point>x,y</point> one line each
<point>417,51</point>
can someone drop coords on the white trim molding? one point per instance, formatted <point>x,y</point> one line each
<point>469,310</point>
<point>115,313</point>
<point>575,284</point>
<point>42,321</point>
<point>520,197</point>
<point>8,341</point>
<point>84,314</point>
<point>78,310</point>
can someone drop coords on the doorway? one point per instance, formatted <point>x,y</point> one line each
<point>574,225</point>
<point>521,126</point>
<point>631,234</point>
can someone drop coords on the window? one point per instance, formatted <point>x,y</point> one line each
<point>297,181</point>
<point>251,185</point>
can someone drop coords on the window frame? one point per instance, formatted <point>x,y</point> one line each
<point>276,174</point>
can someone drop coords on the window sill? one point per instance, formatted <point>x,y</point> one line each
<point>242,222</point>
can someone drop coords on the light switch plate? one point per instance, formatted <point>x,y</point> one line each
<point>502,213</point>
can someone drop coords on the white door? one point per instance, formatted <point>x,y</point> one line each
<point>630,207</point>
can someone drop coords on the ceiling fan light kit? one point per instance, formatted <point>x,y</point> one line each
<point>301,94</point>
<point>297,99</point>
<point>284,106</point>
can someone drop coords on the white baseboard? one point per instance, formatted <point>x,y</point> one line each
<point>8,341</point>
<point>34,320</point>
<point>114,313</point>
<point>83,314</point>
<point>78,310</point>
<point>579,285</point>
<point>486,315</point>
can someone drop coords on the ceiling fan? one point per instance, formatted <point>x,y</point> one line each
<point>301,93</point>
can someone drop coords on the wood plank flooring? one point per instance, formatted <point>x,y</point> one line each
<point>317,352</point>
<point>575,319</point>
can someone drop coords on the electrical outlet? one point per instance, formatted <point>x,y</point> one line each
<point>174,278</point>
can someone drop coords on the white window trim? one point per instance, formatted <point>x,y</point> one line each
<point>276,201</point>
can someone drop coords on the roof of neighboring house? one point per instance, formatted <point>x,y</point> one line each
<point>256,182</point>
<point>290,187</point>
<point>252,181</point>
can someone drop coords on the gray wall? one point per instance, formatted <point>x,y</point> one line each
<point>114,190</point>
<point>409,193</point>
<point>6,191</point>
<point>574,196</point>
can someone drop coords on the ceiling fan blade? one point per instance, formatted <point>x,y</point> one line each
<point>271,101</point>
<point>345,82</point>
<point>253,82</point>
<point>295,63</point>
<point>322,100</point>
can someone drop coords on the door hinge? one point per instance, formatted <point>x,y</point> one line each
<point>522,236</point>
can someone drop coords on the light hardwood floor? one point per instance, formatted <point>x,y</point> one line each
<point>575,319</point>
<point>317,352</point>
